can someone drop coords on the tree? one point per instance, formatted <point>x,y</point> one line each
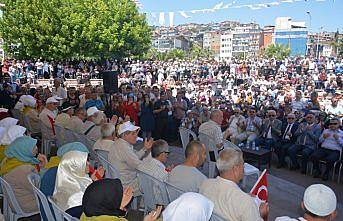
<point>175,53</point>
<point>338,47</point>
<point>277,51</point>
<point>197,52</point>
<point>60,29</point>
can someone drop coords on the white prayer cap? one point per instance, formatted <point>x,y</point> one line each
<point>12,133</point>
<point>320,200</point>
<point>52,100</point>
<point>127,126</point>
<point>8,121</point>
<point>29,101</point>
<point>91,111</point>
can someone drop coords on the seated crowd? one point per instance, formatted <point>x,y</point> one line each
<point>84,192</point>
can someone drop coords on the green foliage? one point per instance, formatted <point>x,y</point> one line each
<point>197,52</point>
<point>277,51</point>
<point>60,29</point>
<point>338,46</point>
<point>175,54</point>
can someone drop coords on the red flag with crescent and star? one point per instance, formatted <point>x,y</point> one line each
<point>260,189</point>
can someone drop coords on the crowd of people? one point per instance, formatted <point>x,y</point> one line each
<point>292,107</point>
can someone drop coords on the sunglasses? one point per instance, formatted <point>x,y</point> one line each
<point>272,115</point>
<point>291,118</point>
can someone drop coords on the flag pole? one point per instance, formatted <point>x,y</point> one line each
<point>259,179</point>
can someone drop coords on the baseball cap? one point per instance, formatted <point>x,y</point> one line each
<point>320,200</point>
<point>91,111</point>
<point>127,126</point>
<point>53,99</point>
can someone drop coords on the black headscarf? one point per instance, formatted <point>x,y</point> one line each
<point>103,197</point>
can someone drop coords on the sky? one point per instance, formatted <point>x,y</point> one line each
<point>323,13</point>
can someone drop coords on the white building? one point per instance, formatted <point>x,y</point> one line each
<point>226,46</point>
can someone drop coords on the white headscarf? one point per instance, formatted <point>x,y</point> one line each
<point>30,101</point>
<point>189,206</point>
<point>2,133</point>
<point>71,180</point>
<point>12,133</point>
<point>8,121</point>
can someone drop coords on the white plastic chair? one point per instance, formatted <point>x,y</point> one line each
<point>216,217</point>
<point>152,190</point>
<point>110,170</point>
<point>248,171</point>
<point>210,147</point>
<point>173,191</point>
<point>89,143</point>
<point>41,200</point>
<point>185,135</point>
<point>59,213</point>
<point>47,140</point>
<point>12,210</point>
<point>102,153</point>
<point>69,136</point>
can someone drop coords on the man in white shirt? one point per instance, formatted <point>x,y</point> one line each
<point>235,123</point>
<point>229,200</point>
<point>212,128</point>
<point>335,108</point>
<point>58,90</point>
<point>48,115</point>
<point>154,166</point>
<point>125,159</point>
<point>106,142</point>
<point>331,146</point>
<point>186,176</point>
<point>319,204</point>
<point>76,123</point>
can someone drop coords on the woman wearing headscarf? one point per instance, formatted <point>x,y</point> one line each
<point>9,135</point>
<point>105,200</point>
<point>189,206</point>
<point>72,179</point>
<point>31,114</point>
<point>47,184</point>
<point>21,161</point>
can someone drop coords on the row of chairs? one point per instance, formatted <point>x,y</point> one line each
<point>211,148</point>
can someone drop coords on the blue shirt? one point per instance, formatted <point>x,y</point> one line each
<point>97,103</point>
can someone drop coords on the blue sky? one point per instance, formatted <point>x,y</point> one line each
<point>324,13</point>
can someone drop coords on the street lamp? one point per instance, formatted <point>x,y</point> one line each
<point>308,36</point>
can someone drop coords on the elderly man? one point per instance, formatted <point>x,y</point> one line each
<point>155,166</point>
<point>106,142</point>
<point>270,131</point>
<point>186,176</point>
<point>287,139</point>
<point>48,115</point>
<point>59,91</point>
<point>319,204</point>
<point>251,126</point>
<point>124,158</point>
<point>307,140</point>
<point>229,200</point>
<point>31,114</point>
<point>76,122</point>
<point>204,115</point>
<point>335,108</point>
<point>235,123</point>
<point>93,132</point>
<point>64,117</point>
<point>212,128</point>
<point>331,146</point>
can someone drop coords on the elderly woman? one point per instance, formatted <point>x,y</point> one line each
<point>106,200</point>
<point>72,179</point>
<point>21,161</point>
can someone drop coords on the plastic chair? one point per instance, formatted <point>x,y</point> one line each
<point>149,186</point>
<point>102,153</point>
<point>210,148</point>
<point>248,171</point>
<point>173,191</point>
<point>70,136</point>
<point>216,217</point>
<point>185,135</point>
<point>47,142</point>
<point>12,210</point>
<point>89,143</point>
<point>110,170</point>
<point>41,199</point>
<point>59,213</point>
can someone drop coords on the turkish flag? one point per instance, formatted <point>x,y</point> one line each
<point>260,188</point>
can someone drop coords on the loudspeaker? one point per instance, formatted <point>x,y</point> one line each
<point>110,81</point>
